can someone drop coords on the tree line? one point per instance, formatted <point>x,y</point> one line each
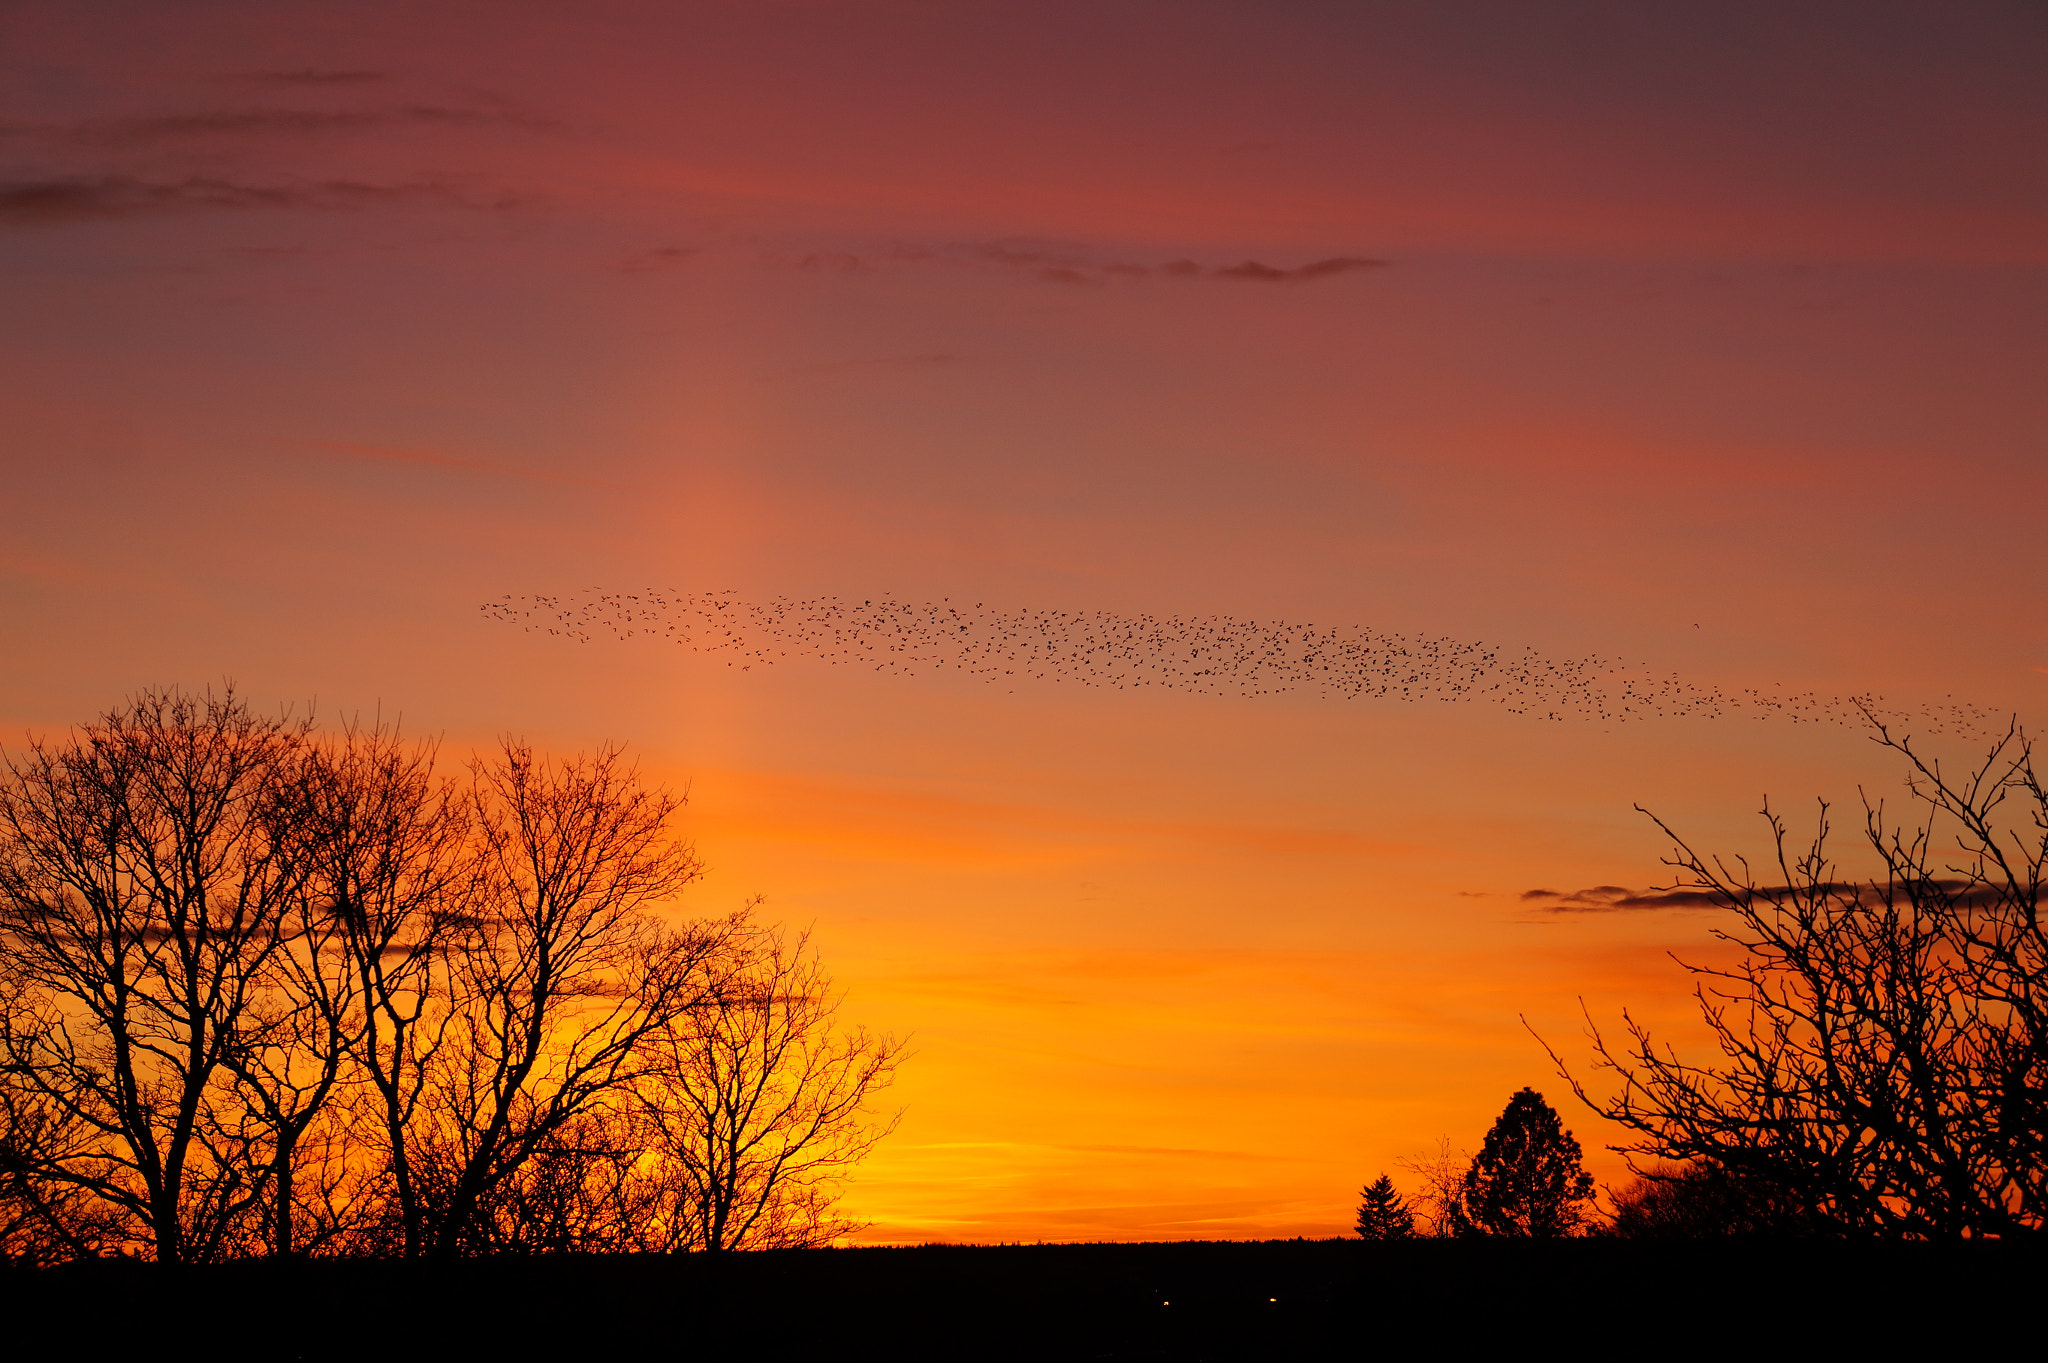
<point>1883,1040</point>
<point>273,990</point>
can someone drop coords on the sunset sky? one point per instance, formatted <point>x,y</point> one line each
<point>1709,337</point>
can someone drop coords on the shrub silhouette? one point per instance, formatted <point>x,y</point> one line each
<point>1701,1202</point>
<point>1527,1180</point>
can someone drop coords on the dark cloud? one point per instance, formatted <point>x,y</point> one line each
<point>1004,253</point>
<point>839,262</point>
<point>62,199</point>
<point>1052,265</point>
<point>314,78</point>
<point>1069,264</point>
<point>1319,269</point>
<point>925,360</point>
<point>1059,270</point>
<point>660,258</point>
<point>1617,899</point>
<point>121,196</point>
<point>212,123</point>
<point>1251,269</point>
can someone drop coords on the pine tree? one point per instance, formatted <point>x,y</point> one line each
<point>1383,1215</point>
<point>1528,1179</point>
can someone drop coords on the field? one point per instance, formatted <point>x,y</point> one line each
<point>1222,1301</point>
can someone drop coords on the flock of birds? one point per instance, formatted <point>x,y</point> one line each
<point>1211,655</point>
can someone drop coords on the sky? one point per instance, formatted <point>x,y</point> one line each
<point>1702,339</point>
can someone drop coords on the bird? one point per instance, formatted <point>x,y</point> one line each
<point>1215,655</point>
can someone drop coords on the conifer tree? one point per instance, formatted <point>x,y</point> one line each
<point>1528,1179</point>
<point>1383,1215</point>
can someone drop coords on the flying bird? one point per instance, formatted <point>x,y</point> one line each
<point>1218,655</point>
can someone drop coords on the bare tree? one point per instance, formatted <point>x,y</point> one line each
<point>398,876</point>
<point>44,1220</point>
<point>266,990</point>
<point>589,1187</point>
<point>761,1105</point>
<point>144,868</point>
<point>563,975</point>
<point>1441,1202</point>
<point>1884,1040</point>
<point>289,1042</point>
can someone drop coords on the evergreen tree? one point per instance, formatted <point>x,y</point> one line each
<point>1528,1179</point>
<point>1383,1215</point>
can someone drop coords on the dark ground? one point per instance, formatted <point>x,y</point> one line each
<point>1273,1300</point>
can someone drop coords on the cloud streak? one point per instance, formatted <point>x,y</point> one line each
<point>1617,899</point>
<point>1052,267</point>
<point>1260,273</point>
<point>308,77</point>
<point>1045,263</point>
<point>1620,899</point>
<point>86,198</point>
<point>216,123</point>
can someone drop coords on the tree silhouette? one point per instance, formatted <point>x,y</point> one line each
<point>1441,1200</point>
<point>761,1104</point>
<point>565,977</point>
<point>269,991</point>
<point>147,867</point>
<point>1883,1038</point>
<point>1383,1215</point>
<point>1527,1179</point>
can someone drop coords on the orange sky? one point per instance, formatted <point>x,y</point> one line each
<point>1708,337</point>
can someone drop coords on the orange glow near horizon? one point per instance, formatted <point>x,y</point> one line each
<point>1708,339</point>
